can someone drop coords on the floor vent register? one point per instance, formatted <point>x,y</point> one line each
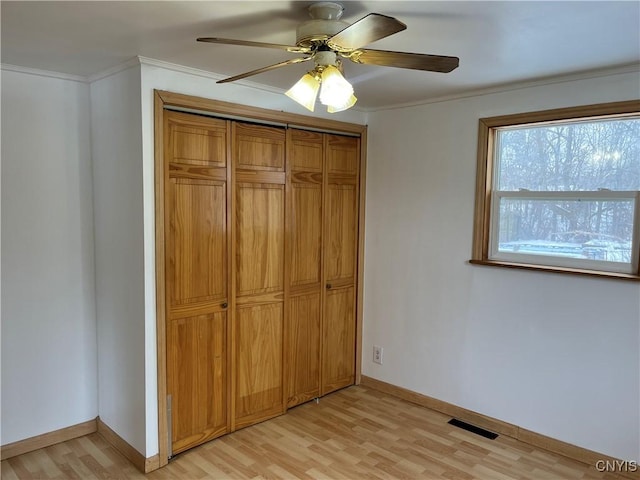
<point>473,429</point>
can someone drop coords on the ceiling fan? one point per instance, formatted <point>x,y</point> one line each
<point>326,40</point>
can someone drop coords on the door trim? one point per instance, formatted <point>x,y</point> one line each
<point>164,100</point>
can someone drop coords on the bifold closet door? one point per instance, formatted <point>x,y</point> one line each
<point>323,233</point>
<point>261,229</point>
<point>197,276</point>
<point>259,158</point>
<point>340,241</point>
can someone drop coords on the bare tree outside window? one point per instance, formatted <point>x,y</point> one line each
<point>582,156</point>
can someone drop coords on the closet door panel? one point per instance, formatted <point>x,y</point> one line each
<point>343,155</point>
<point>197,241</point>
<point>303,349</point>
<point>197,141</point>
<point>259,188</point>
<point>304,306</point>
<point>306,234</point>
<point>340,262</point>
<point>259,238</point>
<point>196,374</point>
<point>338,335</point>
<point>340,241</point>
<point>258,362</point>
<point>306,151</point>
<point>197,231</point>
<point>259,147</point>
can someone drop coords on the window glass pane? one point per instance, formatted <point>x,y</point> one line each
<point>581,156</point>
<point>584,229</point>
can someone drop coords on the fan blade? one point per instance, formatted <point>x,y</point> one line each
<point>415,61</point>
<point>265,69</point>
<point>365,31</point>
<point>246,43</point>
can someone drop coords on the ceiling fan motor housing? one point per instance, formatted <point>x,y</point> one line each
<point>325,23</point>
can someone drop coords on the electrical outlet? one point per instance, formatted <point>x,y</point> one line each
<point>377,354</point>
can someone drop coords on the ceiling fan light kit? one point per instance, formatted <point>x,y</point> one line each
<point>305,91</point>
<point>351,101</point>
<point>335,91</point>
<point>323,39</point>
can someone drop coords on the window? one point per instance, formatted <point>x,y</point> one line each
<point>560,190</point>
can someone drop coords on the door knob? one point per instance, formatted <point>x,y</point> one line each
<point>328,286</point>
<point>224,305</point>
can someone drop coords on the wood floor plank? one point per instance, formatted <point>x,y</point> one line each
<point>355,433</point>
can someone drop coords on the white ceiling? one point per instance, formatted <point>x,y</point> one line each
<point>497,42</point>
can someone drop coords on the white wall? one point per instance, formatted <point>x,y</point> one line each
<point>174,78</point>
<point>118,210</point>
<point>556,354</point>
<point>48,296</point>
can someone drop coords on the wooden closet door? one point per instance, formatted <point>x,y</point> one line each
<point>259,154</point>
<point>197,277</point>
<point>305,256</point>
<point>342,157</point>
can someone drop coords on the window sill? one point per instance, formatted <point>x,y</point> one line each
<point>542,268</point>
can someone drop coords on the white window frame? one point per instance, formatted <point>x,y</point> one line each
<point>487,216</point>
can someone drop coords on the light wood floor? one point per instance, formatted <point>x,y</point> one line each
<point>356,433</point>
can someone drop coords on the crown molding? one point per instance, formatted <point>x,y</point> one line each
<point>204,73</point>
<point>42,73</point>
<point>506,87</point>
<point>132,62</point>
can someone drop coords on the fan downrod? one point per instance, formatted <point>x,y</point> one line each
<point>326,11</point>
<point>325,23</point>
